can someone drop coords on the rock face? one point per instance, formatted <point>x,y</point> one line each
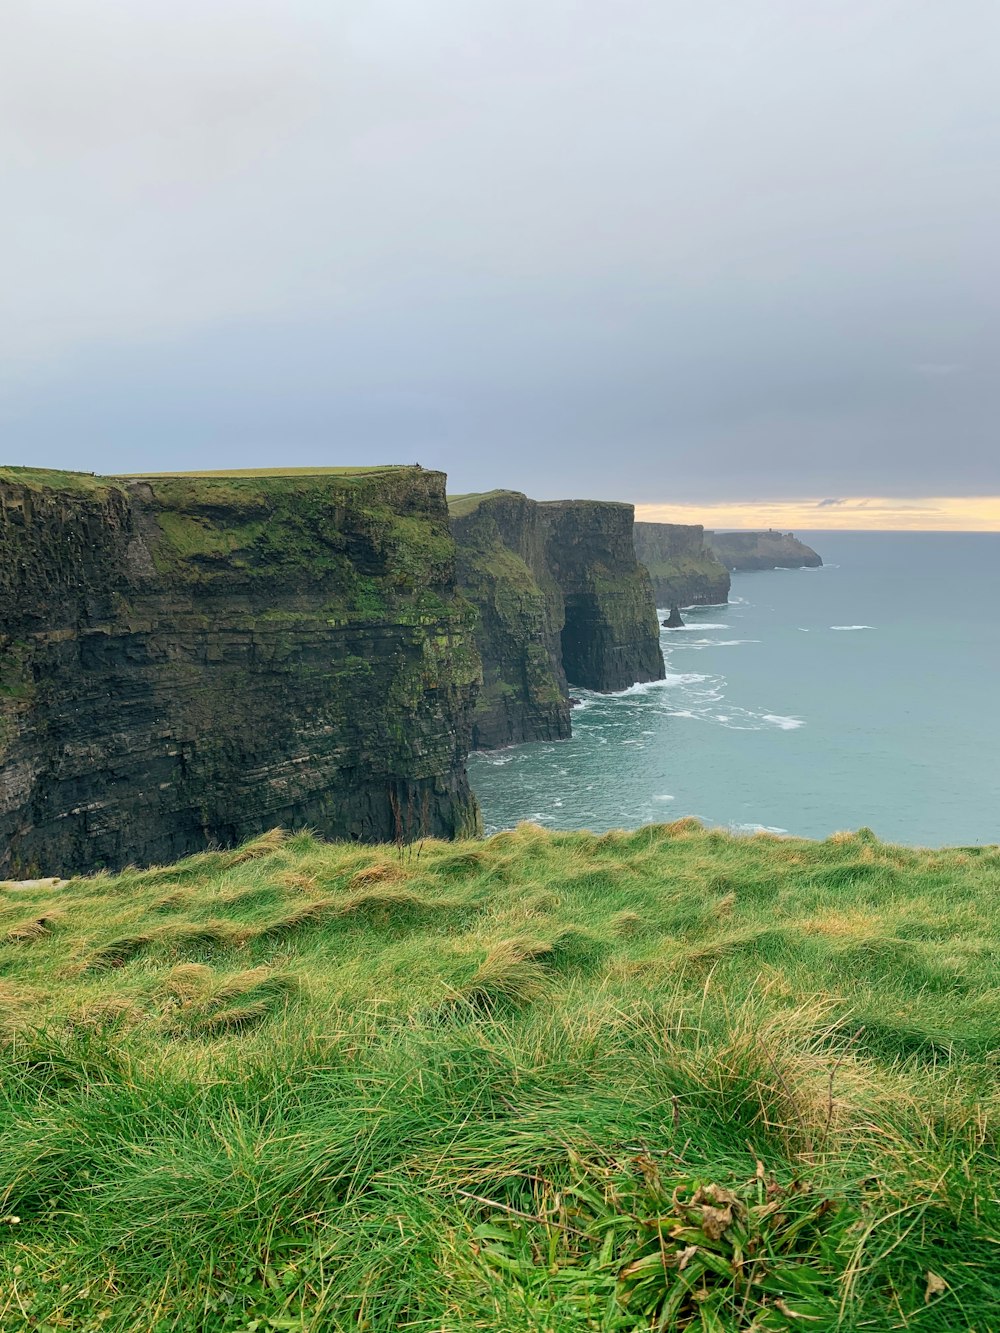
<point>685,571</point>
<point>189,660</point>
<point>610,638</point>
<point>762,550</point>
<point>503,571</point>
<point>560,596</point>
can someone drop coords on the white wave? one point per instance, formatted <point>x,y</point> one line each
<point>664,798</point>
<point>785,723</point>
<point>802,631</point>
<point>756,828</point>
<point>697,624</point>
<point>643,687</point>
<point>718,643</point>
<point>847,627</point>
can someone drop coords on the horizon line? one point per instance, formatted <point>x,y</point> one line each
<point>865,513</point>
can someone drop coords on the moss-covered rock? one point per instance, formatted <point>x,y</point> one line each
<point>187,660</point>
<point>685,571</point>
<point>611,636</point>
<point>559,595</point>
<point>502,570</point>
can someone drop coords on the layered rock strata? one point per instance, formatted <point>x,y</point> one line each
<point>762,550</point>
<point>559,595</point>
<point>611,635</point>
<point>187,660</point>
<point>503,571</point>
<point>684,569</point>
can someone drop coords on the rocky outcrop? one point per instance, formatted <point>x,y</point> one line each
<point>610,638</point>
<point>685,571</point>
<point>674,620</point>
<point>559,595</point>
<point>185,661</point>
<point>502,570</point>
<point>762,550</point>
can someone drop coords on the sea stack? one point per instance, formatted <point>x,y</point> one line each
<point>673,621</point>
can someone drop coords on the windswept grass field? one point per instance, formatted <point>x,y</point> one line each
<point>655,1080</point>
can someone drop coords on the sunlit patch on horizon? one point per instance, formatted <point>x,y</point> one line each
<point>955,513</point>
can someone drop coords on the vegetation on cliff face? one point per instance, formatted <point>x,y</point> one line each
<point>762,550</point>
<point>190,659</point>
<point>663,1079</point>
<point>558,594</point>
<point>611,637</point>
<point>685,571</point>
<point>502,570</point>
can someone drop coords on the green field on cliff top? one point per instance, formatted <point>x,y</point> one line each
<point>88,481</point>
<point>666,1079</point>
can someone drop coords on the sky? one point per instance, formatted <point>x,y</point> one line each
<point>696,254</point>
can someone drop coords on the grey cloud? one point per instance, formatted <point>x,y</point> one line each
<point>655,249</point>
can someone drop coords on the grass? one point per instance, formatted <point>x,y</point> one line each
<point>656,1080</point>
<point>251,472</point>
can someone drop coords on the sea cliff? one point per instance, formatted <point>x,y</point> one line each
<point>187,660</point>
<point>560,596</point>
<point>503,571</point>
<point>685,571</point>
<point>762,550</point>
<point>611,636</point>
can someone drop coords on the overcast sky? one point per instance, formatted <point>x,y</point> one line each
<point>661,250</point>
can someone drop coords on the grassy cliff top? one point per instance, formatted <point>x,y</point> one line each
<point>276,472</point>
<point>547,1081</point>
<point>42,478</point>
<point>459,506</point>
<point>90,482</point>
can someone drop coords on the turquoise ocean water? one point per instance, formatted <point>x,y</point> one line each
<point>862,693</point>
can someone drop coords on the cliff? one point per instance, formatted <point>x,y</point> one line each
<point>762,550</point>
<point>502,570</point>
<point>611,636</point>
<point>187,660</point>
<point>685,571</point>
<point>559,595</point>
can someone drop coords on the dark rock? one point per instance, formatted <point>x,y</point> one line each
<point>187,661</point>
<point>685,572</point>
<point>610,638</point>
<point>559,595</point>
<point>673,621</point>
<point>762,550</point>
<point>502,570</point>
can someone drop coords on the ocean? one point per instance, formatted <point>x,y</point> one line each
<point>862,693</point>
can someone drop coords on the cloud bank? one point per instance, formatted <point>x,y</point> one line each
<point>646,249</point>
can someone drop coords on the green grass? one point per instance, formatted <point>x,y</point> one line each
<point>663,1079</point>
<point>460,506</point>
<point>42,478</point>
<point>274,472</point>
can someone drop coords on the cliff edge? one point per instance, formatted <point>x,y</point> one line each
<point>685,571</point>
<point>503,571</point>
<point>188,660</point>
<point>762,550</point>
<point>559,596</point>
